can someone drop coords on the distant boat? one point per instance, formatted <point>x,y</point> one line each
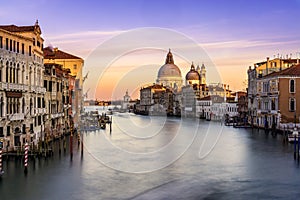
<point>109,112</point>
<point>293,137</point>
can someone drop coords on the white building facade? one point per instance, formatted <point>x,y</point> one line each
<point>22,103</point>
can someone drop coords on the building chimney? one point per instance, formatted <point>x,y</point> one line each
<point>267,66</point>
<point>280,65</point>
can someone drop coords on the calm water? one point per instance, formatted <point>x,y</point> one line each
<point>159,158</point>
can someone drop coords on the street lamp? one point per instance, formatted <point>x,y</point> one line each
<point>295,117</point>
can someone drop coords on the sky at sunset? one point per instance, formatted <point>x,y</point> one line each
<point>234,34</point>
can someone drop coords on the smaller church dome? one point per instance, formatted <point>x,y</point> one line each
<point>192,75</point>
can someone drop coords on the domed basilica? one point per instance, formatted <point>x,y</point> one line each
<point>169,74</point>
<point>196,76</point>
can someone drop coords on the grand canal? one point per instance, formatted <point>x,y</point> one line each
<point>161,158</point>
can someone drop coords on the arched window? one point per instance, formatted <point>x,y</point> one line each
<point>11,74</point>
<point>18,105</point>
<point>292,104</point>
<point>292,86</point>
<point>30,106</point>
<point>23,74</point>
<point>17,73</point>
<point>273,104</point>
<point>7,71</point>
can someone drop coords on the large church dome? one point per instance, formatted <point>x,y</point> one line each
<point>169,74</point>
<point>169,69</point>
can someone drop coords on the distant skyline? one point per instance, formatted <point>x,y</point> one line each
<point>235,34</point>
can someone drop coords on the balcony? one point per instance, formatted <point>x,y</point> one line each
<point>56,115</point>
<point>16,116</point>
<point>40,111</point>
<point>14,86</point>
<point>41,90</point>
<point>3,86</point>
<point>32,88</point>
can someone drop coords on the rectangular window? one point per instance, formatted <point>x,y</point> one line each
<point>45,84</point>
<point>39,102</point>
<point>8,131</point>
<point>74,66</point>
<point>1,132</point>
<point>10,45</point>
<point>266,105</point>
<point>31,128</point>
<point>24,129</point>
<point>23,48</point>
<point>273,104</point>
<point>29,50</point>
<point>18,49</point>
<point>39,120</point>
<point>50,86</point>
<point>14,46</point>
<point>6,44</point>
<point>292,86</point>
<point>1,42</point>
<point>292,104</point>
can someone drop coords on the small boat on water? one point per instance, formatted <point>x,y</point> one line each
<point>293,137</point>
<point>103,120</point>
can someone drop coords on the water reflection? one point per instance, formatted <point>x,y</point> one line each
<point>244,164</point>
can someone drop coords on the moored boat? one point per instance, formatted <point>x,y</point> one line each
<point>293,137</point>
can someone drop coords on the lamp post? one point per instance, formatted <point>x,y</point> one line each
<point>295,118</point>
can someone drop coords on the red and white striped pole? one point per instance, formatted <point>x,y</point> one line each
<point>1,145</point>
<point>26,158</point>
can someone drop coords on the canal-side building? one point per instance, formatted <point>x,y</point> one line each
<point>156,100</point>
<point>126,101</point>
<point>216,107</point>
<point>75,64</point>
<point>203,107</point>
<point>278,98</point>
<point>242,106</point>
<point>190,92</point>
<point>222,110</point>
<point>260,70</point>
<point>22,107</point>
<point>59,86</point>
